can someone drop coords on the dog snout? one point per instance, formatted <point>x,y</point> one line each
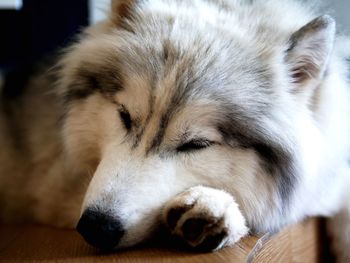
<point>100,229</point>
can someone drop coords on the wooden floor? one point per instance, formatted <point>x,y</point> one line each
<point>300,243</point>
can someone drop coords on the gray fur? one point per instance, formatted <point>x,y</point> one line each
<point>104,80</point>
<point>348,62</point>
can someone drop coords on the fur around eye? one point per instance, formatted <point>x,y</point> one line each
<point>194,145</point>
<point>126,119</point>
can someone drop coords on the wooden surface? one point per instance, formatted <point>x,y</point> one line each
<point>300,243</point>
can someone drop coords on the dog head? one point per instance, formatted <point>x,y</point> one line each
<point>164,96</point>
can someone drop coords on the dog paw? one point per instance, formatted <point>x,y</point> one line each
<point>207,219</point>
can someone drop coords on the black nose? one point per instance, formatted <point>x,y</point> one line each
<point>100,230</point>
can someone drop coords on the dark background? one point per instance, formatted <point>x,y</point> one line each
<point>33,33</point>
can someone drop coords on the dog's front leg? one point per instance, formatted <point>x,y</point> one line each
<point>206,218</point>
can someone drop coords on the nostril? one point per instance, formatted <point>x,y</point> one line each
<point>100,229</point>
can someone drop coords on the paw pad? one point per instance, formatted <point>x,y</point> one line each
<point>193,228</point>
<point>206,219</point>
<point>174,215</point>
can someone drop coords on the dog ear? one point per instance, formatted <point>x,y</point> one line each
<point>309,50</point>
<point>122,9</point>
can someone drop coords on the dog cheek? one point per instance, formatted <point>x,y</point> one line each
<point>87,129</point>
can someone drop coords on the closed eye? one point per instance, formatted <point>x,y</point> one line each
<point>194,145</point>
<point>126,119</point>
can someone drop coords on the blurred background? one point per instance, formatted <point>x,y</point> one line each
<point>341,11</point>
<point>32,29</point>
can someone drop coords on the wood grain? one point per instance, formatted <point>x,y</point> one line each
<point>299,243</point>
